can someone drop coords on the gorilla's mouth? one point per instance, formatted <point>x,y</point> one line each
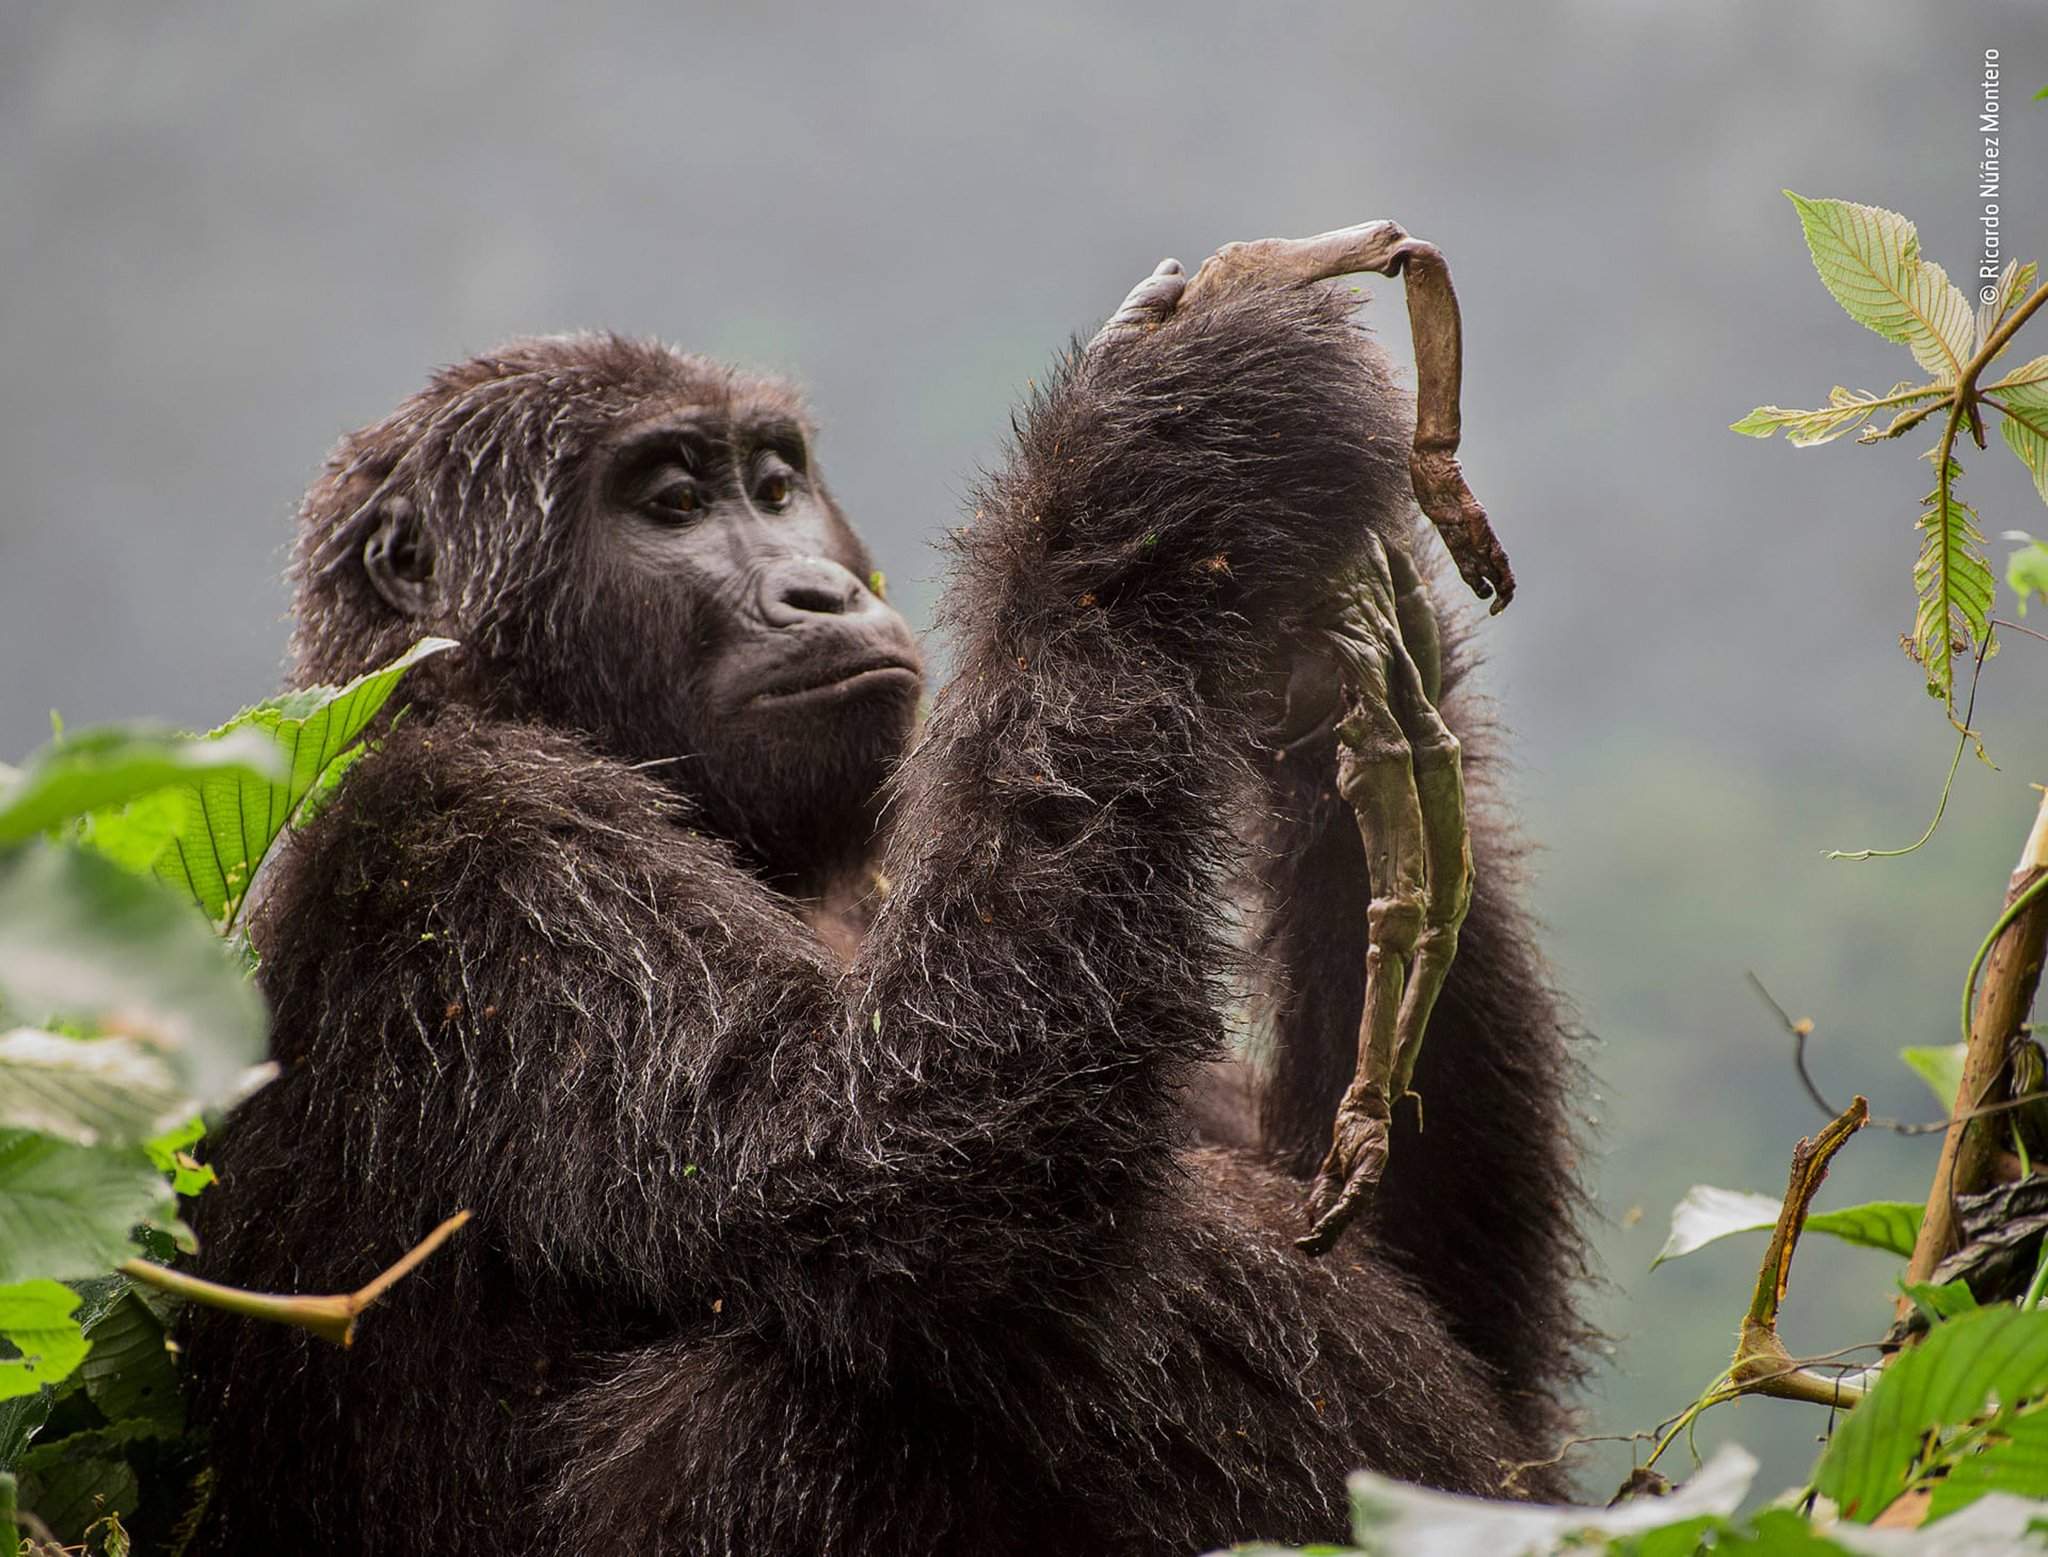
<point>877,675</point>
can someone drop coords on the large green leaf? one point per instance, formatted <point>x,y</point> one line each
<point>1869,258</point>
<point>1395,1517</point>
<point>1953,578</point>
<point>1708,1214</point>
<point>1948,1379</point>
<point>87,1090</point>
<point>130,1374</point>
<point>1890,1225</point>
<point>83,941</point>
<point>2014,1459</point>
<point>75,1481</point>
<point>212,842</point>
<point>94,769</point>
<point>66,1211</point>
<point>36,1316</point>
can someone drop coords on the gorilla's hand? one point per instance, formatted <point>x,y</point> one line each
<point>1382,248</point>
<point>1146,306</point>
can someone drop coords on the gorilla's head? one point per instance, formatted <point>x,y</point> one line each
<point>634,544</point>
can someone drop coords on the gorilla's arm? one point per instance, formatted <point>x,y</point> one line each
<point>638,1066</point>
<point>1046,973</point>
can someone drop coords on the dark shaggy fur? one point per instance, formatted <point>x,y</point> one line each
<point>775,1256</point>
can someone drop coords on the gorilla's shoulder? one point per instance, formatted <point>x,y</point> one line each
<point>459,772</point>
<point>456,810</point>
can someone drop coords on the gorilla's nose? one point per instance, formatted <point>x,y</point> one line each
<point>806,587</point>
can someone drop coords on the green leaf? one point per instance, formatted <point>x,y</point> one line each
<point>1890,1225</point>
<point>20,1420</point>
<point>1685,1539</point>
<point>87,1090</point>
<point>1846,410</point>
<point>2024,426</point>
<point>1943,1382</point>
<point>10,1533</point>
<point>1941,1068</point>
<point>113,1536</point>
<point>168,1152</point>
<point>76,1489</point>
<point>36,1316</point>
<point>2028,375</point>
<point>227,824</point>
<point>1395,1517</point>
<point>130,1374</point>
<point>1953,578</point>
<point>2026,572</point>
<point>1777,1532</point>
<point>2013,1459</point>
<point>83,941</point>
<point>95,769</point>
<point>1707,1215</point>
<point>66,1211</point>
<point>1943,1302</point>
<point>2013,284</point>
<point>1869,258</point>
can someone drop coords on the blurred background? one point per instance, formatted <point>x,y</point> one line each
<point>229,233</point>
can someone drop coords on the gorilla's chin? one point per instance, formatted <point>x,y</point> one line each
<point>795,777</point>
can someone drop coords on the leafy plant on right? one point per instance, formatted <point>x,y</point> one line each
<point>1869,258</point>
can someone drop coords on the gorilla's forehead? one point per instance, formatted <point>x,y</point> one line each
<point>767,418</point>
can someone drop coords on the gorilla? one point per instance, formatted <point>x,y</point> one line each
<point>846,1097</point>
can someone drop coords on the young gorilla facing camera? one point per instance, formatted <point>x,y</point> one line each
<point>843,1105</point>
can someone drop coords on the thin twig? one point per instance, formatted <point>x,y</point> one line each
<point>1999,621</point>
<point>331,1318</point>
<point>1802,1030</point>
<point>1955,762</point>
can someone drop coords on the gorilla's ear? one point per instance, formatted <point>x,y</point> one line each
<point>399,554</point>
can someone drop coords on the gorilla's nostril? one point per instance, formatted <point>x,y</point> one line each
<point>816,597</point>
<point>796,590</point>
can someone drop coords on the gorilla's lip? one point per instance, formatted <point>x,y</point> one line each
<point>866,676</point>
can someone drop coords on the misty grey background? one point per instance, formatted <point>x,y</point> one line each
<point>228,234</point>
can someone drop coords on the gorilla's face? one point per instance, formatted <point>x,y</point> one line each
<point>633,544</point>
<point>744,648</point>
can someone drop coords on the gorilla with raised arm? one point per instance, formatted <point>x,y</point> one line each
<point>844,1105</point>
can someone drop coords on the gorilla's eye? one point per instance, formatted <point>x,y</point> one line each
<point>773,482</point>
<point>676,498</point>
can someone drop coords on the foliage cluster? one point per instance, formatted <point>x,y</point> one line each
<point>127,859</point>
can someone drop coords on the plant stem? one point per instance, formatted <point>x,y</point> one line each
<point>1966,381</point>
<point>331,1318</point>
<point>2040,1282</point>
<point>2010,960</point>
